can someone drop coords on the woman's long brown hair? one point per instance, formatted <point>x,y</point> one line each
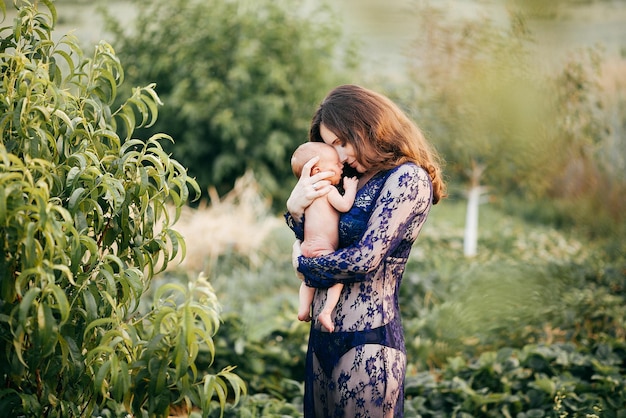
<point>382,135</point>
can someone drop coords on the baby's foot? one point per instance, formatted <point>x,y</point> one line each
<point>304,316</point>
<point>326,321</point>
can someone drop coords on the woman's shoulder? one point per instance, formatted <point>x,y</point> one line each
<point>412,180</point>
<point>403,174</point>
<point>409,169</point>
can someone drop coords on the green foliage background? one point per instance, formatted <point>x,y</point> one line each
<point>86,219</point>
<point>544,136</point>
<point>239,81</point>
<point>531,327</point>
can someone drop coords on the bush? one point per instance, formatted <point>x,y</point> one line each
<point>535,381</point>
<point>536,307</point>
<point>239,81</point>
<point>83,229</point>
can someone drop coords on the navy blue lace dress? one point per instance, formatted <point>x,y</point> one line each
<point>358,370</point>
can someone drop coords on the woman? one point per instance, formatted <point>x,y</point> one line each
<point>358,370</point>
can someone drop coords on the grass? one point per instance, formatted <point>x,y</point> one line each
<point>447,299</point>
<point>529,284</point>
<point>238,223</point>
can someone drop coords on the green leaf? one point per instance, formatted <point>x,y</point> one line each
<point>98,323</point>
<point>76,196</point>
<point>100,379</point>
<point>62,304</point>
<point>3,206</point>
<point>27,303</point>
<point>48,329</point>
<point>89,304</point>
<point>545,384</point>
<point>237,384</point>
<point>79,211</point>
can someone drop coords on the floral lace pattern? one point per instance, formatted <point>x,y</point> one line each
<point>358,370</point>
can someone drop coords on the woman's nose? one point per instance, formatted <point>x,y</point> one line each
<point>342,155</point>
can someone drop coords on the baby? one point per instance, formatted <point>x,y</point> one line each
<point>321,226</point>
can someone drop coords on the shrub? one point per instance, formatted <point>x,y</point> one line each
<point>239,81</point>
<point>535,381</point>
<point>79,204</point>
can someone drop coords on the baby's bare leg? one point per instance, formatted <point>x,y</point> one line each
<point>306,295</point>
<point>332,297</point>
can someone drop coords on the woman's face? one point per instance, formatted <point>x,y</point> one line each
<point>346,152</point>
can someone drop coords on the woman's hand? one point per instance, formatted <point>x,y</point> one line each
<point>307,189</point>
<point>295,253</point>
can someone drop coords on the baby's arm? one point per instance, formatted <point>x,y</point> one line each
<point>344,203</point>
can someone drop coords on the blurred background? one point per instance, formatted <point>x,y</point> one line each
<point>526,102</point>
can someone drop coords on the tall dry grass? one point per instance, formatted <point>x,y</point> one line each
<point>238,223</point>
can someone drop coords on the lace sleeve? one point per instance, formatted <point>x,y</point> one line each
<point>406,193</point>
<point>296,227</point>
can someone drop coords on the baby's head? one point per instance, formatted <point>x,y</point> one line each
<point>329,160</point>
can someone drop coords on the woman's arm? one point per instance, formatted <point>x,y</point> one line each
<point>406,194</point>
